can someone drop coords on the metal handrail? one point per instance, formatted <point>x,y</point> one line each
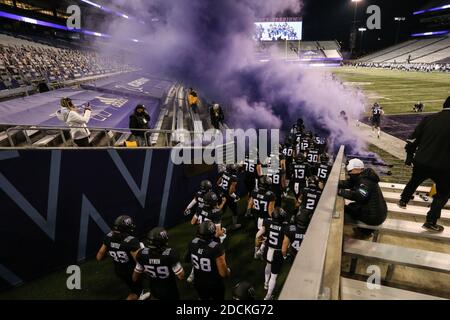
<point>62,129</point>
<point>304,281</point>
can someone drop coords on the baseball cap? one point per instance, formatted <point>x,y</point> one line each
<point>355,164</point>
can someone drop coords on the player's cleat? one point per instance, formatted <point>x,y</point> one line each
<point>402,204</point>
<point>433,227</point>
<point>269,297</point>
<point>145,295</point>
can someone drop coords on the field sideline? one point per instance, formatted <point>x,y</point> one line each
<point>398,91</point>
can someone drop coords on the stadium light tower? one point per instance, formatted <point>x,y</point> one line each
<point>353,36</point>
<point>362,30</point>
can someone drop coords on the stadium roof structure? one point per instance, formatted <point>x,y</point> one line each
<point>432,6</point>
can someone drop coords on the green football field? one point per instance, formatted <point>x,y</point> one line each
<point>398,91</point>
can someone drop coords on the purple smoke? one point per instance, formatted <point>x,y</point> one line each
<point>208,45</point>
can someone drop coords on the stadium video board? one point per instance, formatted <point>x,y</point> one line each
<point>279,29</point>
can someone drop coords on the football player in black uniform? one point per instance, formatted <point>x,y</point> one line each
<point>252,172</point>
<point>208,259</point>
<point>122,246</point>
<point>261,205</point>
<point>300,172</point>
<point>227,183</point>
<point>161,264</point>
<point>211,211</point>
<point>205,187</point>
<point>278,178</point>
<point>377,112</point>
<point>320,142</point>
<point>295,234</point>
<point>273,229</point>
<point>324,168</point>
<point>288,154</point>
<point>310,196</point>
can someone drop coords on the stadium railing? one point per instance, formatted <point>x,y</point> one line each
<point>315,272</point>
<point>109,134</point>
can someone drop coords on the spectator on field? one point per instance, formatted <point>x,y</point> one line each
<point>193,100</point>
<point>217,116</point>
<point>139,121</point>
<point>428,150</point>
<point>362,188</point>
<point>68,113</point>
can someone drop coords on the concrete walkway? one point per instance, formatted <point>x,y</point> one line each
<point>386,142</point>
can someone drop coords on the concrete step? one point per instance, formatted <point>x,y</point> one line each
<point>418,201</point>
<point>423,259</point>
<point>397,187</point>
<point>417,211</point>
<point>358,290</point>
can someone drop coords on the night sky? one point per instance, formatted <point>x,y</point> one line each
<point>333,20</point>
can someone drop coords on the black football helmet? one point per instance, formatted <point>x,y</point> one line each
<point>302,218</point>
<point>278,215</point>
<point>205,185</point>
<point>243,291</point>
<point>124,224</point>
<point>158,238</point>
<point>325,158</point>
<point>300,157</point>
<point>211,199</point>
<point>313,182</point>
<point>232,168</point>
<point>264,182</point>
<point>206,230</point>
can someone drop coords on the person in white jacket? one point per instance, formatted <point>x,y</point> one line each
<point>69,114</point>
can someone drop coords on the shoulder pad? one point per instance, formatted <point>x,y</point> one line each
<point>128,239</point>
<point>212,244</point>
<point>196,240</point>
<point>166,252</point>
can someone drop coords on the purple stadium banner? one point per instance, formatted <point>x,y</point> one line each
<point>132,84</point>
<point>108,110</point>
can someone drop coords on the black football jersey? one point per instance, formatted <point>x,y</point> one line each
<point>276,176</point>
<point>376,112</point>
<point>296,236</point>
<point>199,198</point>
<point>274,232</point>
<point>226,181</point>
<point>158,265</point>
<point>312,156</point>
<point>119,248</point>
<point>203,256</point>
<point>288,152</point>
<point>320,143</point>
<point>310,198</point>
<point>304,145</point>
<point>261,200</point>
<point>250,168</point>
<point>300,171</point>
<point>211,214</point>
<point>323,171</point>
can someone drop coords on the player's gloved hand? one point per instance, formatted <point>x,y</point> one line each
<point>409,160</point>
<point>187,212</point>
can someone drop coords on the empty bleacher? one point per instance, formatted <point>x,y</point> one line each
<point>428,50</point>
